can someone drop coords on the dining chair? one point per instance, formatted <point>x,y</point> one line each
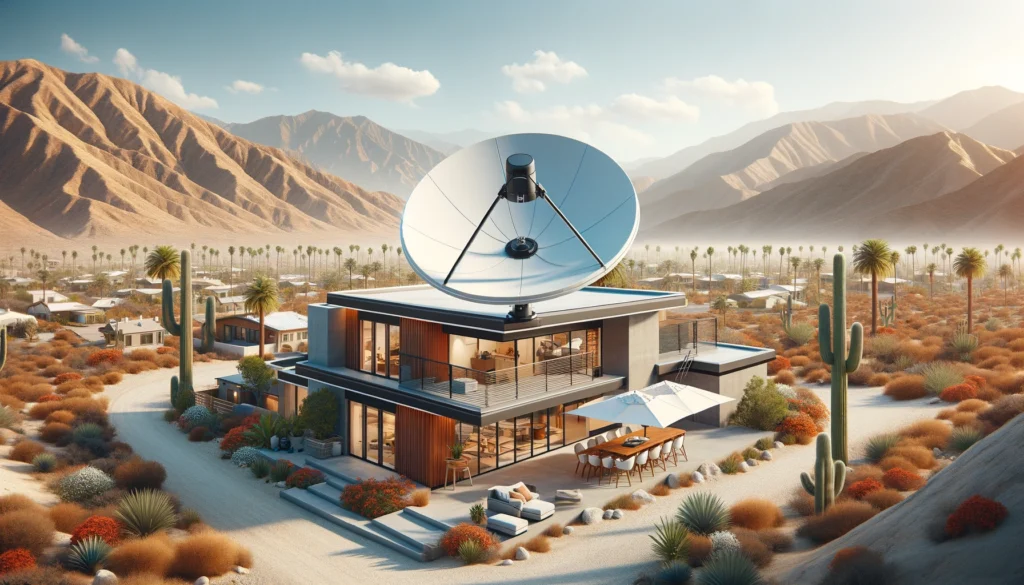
<point>619,432</point>
<point>600,439</point>
<point>581,459</point>
<point>624,467</point>
<point>666,453</point>
<point>591,443</point>
<point>652,454</point>
<point>607,468</point>
<point>594,463</point>
<point>679,448</point>
<point>641,462</point>
<point>655,460</point>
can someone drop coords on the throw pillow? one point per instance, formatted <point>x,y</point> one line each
<point>524,493</point>
<point>517,496</point>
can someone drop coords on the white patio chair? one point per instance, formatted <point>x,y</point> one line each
<point>600,439</point>
<point>641,462</point>
<point>594,464</point>
<point>653,456</point>
<point>580,458</point>
<point>659,460</point>
<point>624,467</point>
<point>607,468</point>
<point>619,432</point>
<point>679,448</point>
<point>666,454</point>
<point>591,443</point>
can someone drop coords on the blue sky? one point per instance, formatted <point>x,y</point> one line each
<point>637,79</point>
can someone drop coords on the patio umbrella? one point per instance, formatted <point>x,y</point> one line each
<point>658,405</point>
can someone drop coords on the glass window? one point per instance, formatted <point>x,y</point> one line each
<point>556,426</point>
<point>388,444</point>
<point>488,447</point>
<point>147,339</point>
<point>366,341</point>
<point>462,350</point>
<point>506,442</point>
<point>524,437</point>
<point>539,432</point>
<point>355,429</point>
<point>380,355</point>
<point>575,426</point>
<point>394,347</point>
<point>372,435</point>
<point>469,436</point>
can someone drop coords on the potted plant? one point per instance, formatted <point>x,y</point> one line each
<point>455,450</point>
<point>297,432</point>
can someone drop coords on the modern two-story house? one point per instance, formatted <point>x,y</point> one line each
<point>415,370</point>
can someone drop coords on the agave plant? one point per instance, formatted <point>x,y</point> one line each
<point>261,433</point>
<point>144,512</point>
<point>677,573</point>
<point>671,541</point>
<point>87,555</point>
<point>729,568</point>
<point>477,513</point>
<point>703,513</point>
<point>879,445</point>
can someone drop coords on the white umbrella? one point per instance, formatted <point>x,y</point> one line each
<point>658,405</point>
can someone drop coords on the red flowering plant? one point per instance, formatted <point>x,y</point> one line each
<point>304,478</point>
<point>975,380</point>
<point>372,498</point>
<point>234,440</point>
<point>976,513</point>
<point>456,535</point>
<point>106,528</point>
<point>108,356</point>
<point>16,559</point>
<point>902,480</point>
<point>959,392</point>
<point>858,489</point>
<point>50,398</point>
<point>66,377</point>
<point>799,424</point>
<point>778,364</point>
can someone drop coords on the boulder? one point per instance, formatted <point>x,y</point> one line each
<point>709,470</point>
<point>766,455</point>
<point>778,444</point>
<point>241,570</point>
<point>617,514</point>
<point>751,462</point>
<point>936,452</point>
<point>104,577</point>
<point>744,467</point>
<point>643,497</point>
<point>607,515</point>
<point>280,484</point>
<point>697,477</point>
<point>522,554</point>
<point>203,581</point>
<point>505,563</point>
<point>568,496</point>
<point>591,516</point>
<point>568,530</point>
<point>672,481</point>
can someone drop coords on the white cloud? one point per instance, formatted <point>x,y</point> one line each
<point>68,45</point>
<point>757,96</point>
<point>546,67</point>
<point>242,86</point>
<point>642,107</point>
<point>590,123</point>
<point>386,81</point>
<point>165,84</point>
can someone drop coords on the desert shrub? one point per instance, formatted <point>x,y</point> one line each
<point>105,356</point>
<point>765,443</point>
<point>671,574</point>
<point>817,376</point>
<point>973,405</point>
<point>799,361</point>
<point>703,513</point>
<point>963,343</point>
<point>878,379</point>
<point>902,480</point>
<point>883,347</point>
<point>786,439</point>
<point>660,490</point>
<point>700,550</point>
<point>50,398</point>
<point>863,471</point>
<point>929,433</point>
<point>108,529</point>
<point>959,392</point>
<point>207,553</point>
<point>26,529</point>
<point>55,432</point>
<point>153,555</point>
<point>66,377</point>
<point>800,425</point>
<point>964,419</point>
<point>67,516</point>
<point>200,434</point>
<point>88,555</point>
<point>963,438</point>
<point>145,512</point>
<point>884,498</point>
<point>44,462</point>
<point>246,456</point>
<point>723,541</point>
<point>761,407</point>
<point>776,540</point>
<point>729,567</point>
<point>420,498</point>
<point>26,450</point>
<point>878,446</point>
<point>921,457</point>
<point>234,440</point>
<point>11,402</point>
<point>751,453</point>
<point>753,547</point>
<point>940,375</point>
<point>778,364</point>
<point>83,485</point>
<point>61,416</point>
<point>1002,411</point>
<point>194,416</point>
<point>896,462</point>
<point>538,544</point>
<point>260,468</point>
<point>138,474</point>
<point>372,498</point>
<point>731,464</point>
<point>85,432</point>
<point>756,514</point>
<point>79,406</point>
<point>188,518</point>
<point>17,503</point>
<point>319,413</point>
<point>858,565</point>
<point>975,514</point>
<point>670,541</point>
<point>836,521</point>
<point>280,470</point>
<point>111,378</point>
<point>858,489</point>
<point>906,388</point>
<point>17,559</point>
<point>142,355</point>
<point>456,535</point>
<point>472,552</point>
<point>306,477</point>
<point>785,377</point>
<point>801,333</point>
<point>861,375</point>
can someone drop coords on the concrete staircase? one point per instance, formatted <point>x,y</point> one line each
<point>410,531</point>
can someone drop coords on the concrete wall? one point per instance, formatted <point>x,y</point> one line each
<point>326,335</point>
<point>731,385</point>
<point>629,347</point>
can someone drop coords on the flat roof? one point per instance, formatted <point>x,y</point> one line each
<point>427,303</point>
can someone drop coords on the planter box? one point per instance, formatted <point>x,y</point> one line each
<point>321,449</point>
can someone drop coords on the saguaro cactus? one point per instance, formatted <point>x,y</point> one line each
<point>829,476</point>
<point>832,340</point>
<point>183,328</point>
<point>787,313</point>
<point>887,311</point>
<point>209,325</point>
<point>3,346</point>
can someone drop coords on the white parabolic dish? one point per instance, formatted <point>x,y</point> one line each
<point>591,190</point>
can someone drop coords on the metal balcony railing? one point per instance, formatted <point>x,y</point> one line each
<point>681,337</point>
<point>485,389</point>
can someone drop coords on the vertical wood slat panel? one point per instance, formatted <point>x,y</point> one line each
<point>422,445</point>
<point>352,345</point>
<point>425,340</point>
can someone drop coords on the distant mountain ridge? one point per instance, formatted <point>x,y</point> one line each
<point>355,147</point>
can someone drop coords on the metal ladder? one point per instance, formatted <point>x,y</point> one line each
<point>684,367</point>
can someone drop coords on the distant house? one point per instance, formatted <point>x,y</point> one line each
<point>18,280</point>
<point>229,304</point>
<point>9,318</point>
<point>80,284</point>
<point>151,295</point>
<point>796,290</point>
<point>107,303</point>
<point>283,328</point>
<point>147,282</point>
<point>69,312</point>
<point>52,296</point>
<point>759,299</point>
<point>137,332</point>
<point>115,276</point>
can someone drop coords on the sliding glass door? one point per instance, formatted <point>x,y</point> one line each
<point>372,434</point>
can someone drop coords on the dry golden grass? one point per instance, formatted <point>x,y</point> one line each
<point>54,432</point>
<point>753,547</point>
<point>29,529</point>
<point>538,544</point>
<point>623,502</point>
<point>700,550</point>
<point>67,516</point>
<point>419,498</point>
<point>799,361</point>
<point>816,376</point>
<point>61,416</point>
<point>965,419</point>
<point>660,490</point>
<point>785,377</point>
<point>862,472</point>
<point>906,388</point>
<point>861,376</point>
<point>884,498</point>
<point>878,379</point>
<point>756,514</point>
<point>17,502</point>
<point>26,450</point>
<point>921,457</point>
<point>111,378</point>
<point>836,521</point>
<point>892,461</point>
<point>775,539</point>
<point>802,502</point>
<point>11,402</point>
<point>972,405</point>
<point>206,553</point>
<point>555,531</point>
<point>929,433</point>
<point>79,406</point>
<point>153,555</point>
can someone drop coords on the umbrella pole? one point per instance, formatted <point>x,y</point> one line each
<point>645,430</point>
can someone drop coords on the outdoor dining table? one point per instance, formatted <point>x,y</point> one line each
<point>618,448</point>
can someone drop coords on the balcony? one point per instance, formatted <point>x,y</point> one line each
<point>682,337</point>
<point>693,345</point>
<point>485,389</point>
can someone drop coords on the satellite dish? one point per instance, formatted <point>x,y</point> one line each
<point>519,219</point>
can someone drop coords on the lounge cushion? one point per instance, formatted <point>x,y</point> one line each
<point>525,493</point>
<point>517,496</point>
<point>506,524</point>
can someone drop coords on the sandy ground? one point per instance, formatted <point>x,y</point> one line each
<point>292,546</point>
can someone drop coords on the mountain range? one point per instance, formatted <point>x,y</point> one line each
<point>88,155</point>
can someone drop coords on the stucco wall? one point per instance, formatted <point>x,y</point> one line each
<point>629,347</point>
<point>326,335</point>
<point>731,385</point>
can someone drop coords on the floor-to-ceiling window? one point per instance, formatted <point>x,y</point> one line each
<point>356,426</point>
<point>381,345</point>
<point>484,355</point>
<point>372,433</point>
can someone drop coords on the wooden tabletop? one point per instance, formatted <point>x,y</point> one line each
<point>617,447</point>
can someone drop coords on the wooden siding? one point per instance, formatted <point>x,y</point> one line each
<point>421,445</point>
<point>428,341</point>
<point>352,348</point>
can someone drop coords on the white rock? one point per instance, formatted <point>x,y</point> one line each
<point>936,452</point>
<point>744,467</point>
<point>568,530</point>
<point>751,462</point>
<point>779,444</point>
<point>607,515</point>
<point>202,581</point>
<point>241,570</point>
<point>505,563</point>
<point>617,514</point>
<point>522,554</point>
<point>643,497</point>
<point>591,516</point>
<point>104,577</point>
<point>280,484</point>
<point>697,477</point>
<point>672,481</point>
<point>766,455</point>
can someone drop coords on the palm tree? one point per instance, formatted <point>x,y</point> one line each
<point>350,265</point>
<point>123,252</point>
<point>969,263</point>
<point>1006,273</point>
<point>23,257</point>
<point>782,256</point>
<point>74,261</point>
<point>818,264</point>
<point>795,263</point>
<point>693,267</point>
<point>873,257</point>
<point>364,271</point>
<point>43,276</point>
<point>931,279</point>
<point>710,254</point>
<point>64,260</point>
<point>261,298</point>
<point>398,263</point>
<point>231,268</point>
<point>163,263</point>
<point>912,252</point>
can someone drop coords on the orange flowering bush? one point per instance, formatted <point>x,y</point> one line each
<point>164,350</point>
<point>456,535</point>
<point>235,439</point>
<point>16,559</point>
<point>975,380</point>
<point>49,398</point>
<point>305,477</point>
<point>66,377</point>
<point>902,480</point>
<point>858,489</point>
<point>778,364</point>
<point>106,528</point>
<point>372,498</point>
<point>108,356</point>
<point>959,392</point>
<point>975,513</point>
<point>799,425</point>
